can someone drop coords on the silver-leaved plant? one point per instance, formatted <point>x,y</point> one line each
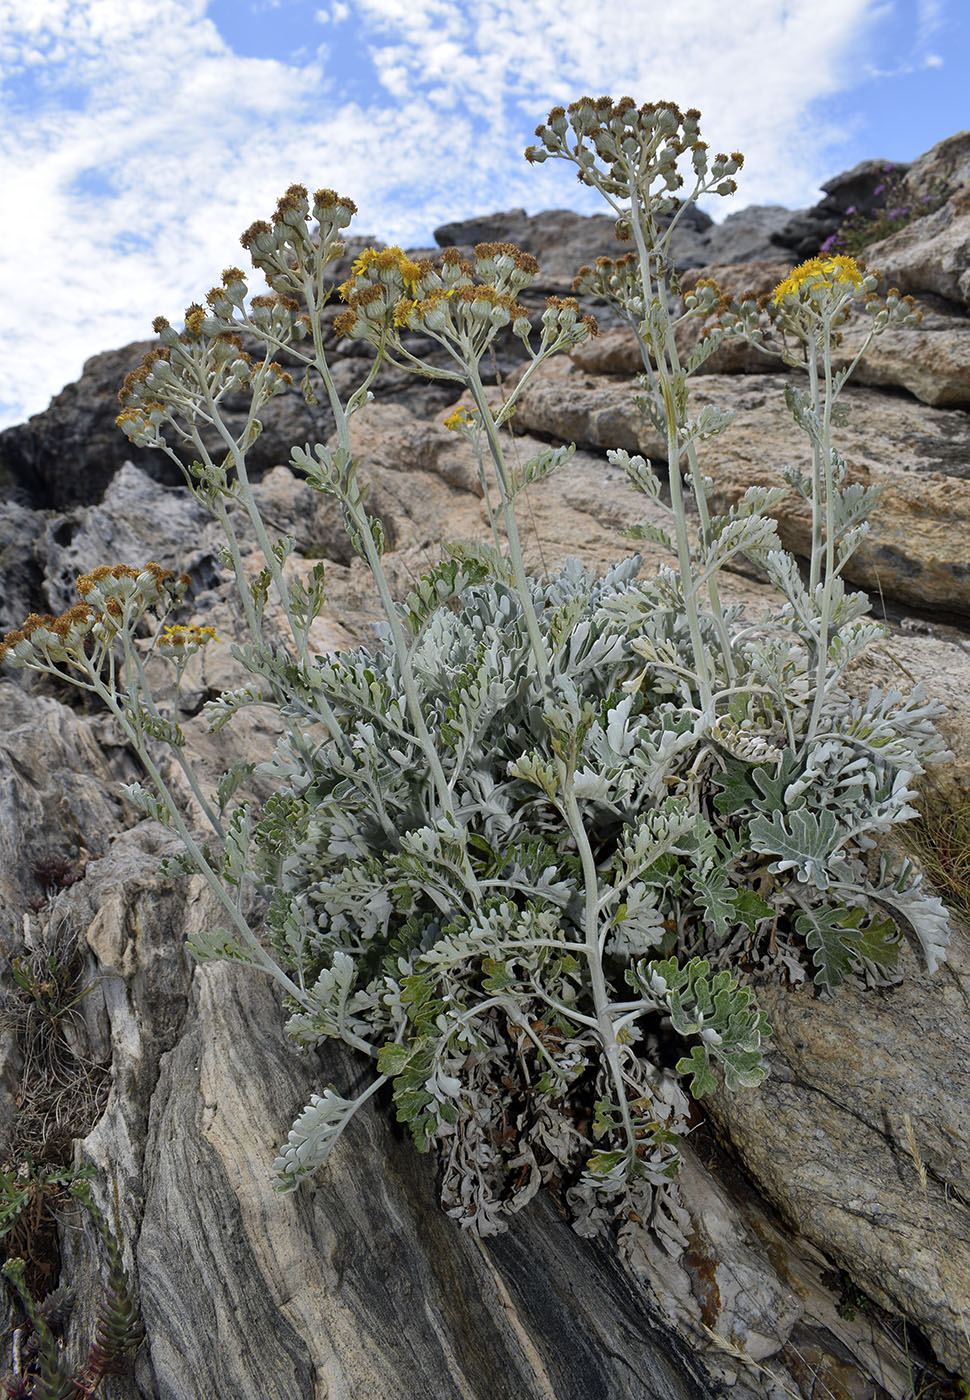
<point>544,830</point>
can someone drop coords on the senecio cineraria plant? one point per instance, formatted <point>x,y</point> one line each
<point>543,829</point>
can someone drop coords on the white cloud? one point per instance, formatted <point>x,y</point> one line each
<point>135,145</point>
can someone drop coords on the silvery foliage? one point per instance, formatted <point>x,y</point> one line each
<point>527,850</point>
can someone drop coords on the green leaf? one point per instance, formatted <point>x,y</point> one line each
<point>717,1009</point>
<point>217,945</point>
<point>394,1059</point>
<point>543,464</point>
<point>600,1164</point>
<point>497,976</point>
<point>840,943</point>
<point>698,1066</point>
<point>654,534</point>
<point>801,840</point>
<point>751,909</point>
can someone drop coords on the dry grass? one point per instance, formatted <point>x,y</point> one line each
<point>62,1094</point>
<point>940,840</point>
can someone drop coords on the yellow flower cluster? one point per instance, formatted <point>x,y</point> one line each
<point>458,419</point>
<point>388,291</point>
<point>181,637</point>
<point>107,592</point>
<point>388,260</point>
<point>826,274</point>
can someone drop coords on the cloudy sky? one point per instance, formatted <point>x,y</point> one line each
<point>139,137</point>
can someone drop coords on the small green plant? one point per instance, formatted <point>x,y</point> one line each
<point>897,207</point>
<point>41,1370</point>
<point>544,830</point>
<point>851,1298</point>
<point>32,1198</point>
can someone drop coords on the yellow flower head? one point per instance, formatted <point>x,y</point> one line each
<point>460,418</point>
<point>827,274</point>
<point>179,636</point>
<point>377,260</point>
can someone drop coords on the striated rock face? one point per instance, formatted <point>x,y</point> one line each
<point>898,1093</point>
<point>916,552</point>
<point>362,1288</point>
<point>932,255</point>
<point>358,1285</point>
<point>846,1172</point>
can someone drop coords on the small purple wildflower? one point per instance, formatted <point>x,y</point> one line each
<point>878,190</point>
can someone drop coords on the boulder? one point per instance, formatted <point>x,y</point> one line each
<point>916,552</point>
<point>931,254</point>
<point>887,1159</point>
<point>811,1213</point>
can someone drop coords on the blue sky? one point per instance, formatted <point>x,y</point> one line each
<point>139,137</point>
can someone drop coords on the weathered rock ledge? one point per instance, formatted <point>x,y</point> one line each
<point>357,1286</point>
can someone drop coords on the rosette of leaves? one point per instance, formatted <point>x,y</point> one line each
<point>520,851</point>
<point>455,942</point>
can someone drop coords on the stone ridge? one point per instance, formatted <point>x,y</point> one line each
<point>805,1198</point>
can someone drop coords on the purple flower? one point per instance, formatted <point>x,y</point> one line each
<point>851,210</point>
<point>878,190</point>
<point>830,242</point>
<point>897,213</point>
<point>886,168</point>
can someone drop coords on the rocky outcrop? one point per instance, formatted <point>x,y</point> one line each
<point>916,552</point>
<point>804,232</point>
<point>812,1211</point>
<point>351,1284</point>
<point>932,255</point>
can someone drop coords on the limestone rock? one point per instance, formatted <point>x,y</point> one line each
<point>931,361</point>
<point>562,241</point>
<point>806,230</point>
<point>356,1286</point>
<point>852,1185</point>
<point>71,451</point>
<point>931,254</point>
<point>59,778</point>
<point>67,455</point>
<point>22,562</point>
<point>916,552</point>
<point>944,167</point>
<point>748,236</point>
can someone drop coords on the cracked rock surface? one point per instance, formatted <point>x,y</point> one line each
<point>850,1166</point>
